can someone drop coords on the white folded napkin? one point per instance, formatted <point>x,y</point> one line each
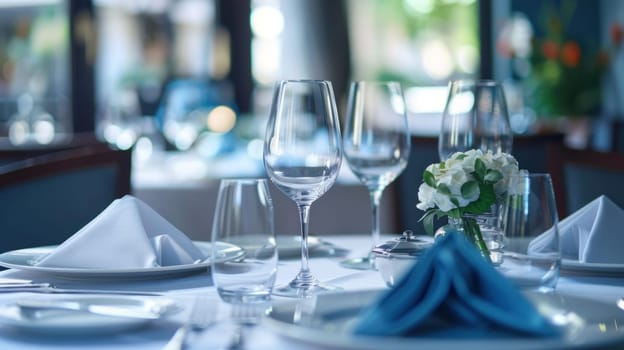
<point>127,234</point>
<point>592,234</point>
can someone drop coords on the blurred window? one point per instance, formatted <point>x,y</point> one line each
<point>35,106</point>
<point>422,43</point>
<point>147,49</point>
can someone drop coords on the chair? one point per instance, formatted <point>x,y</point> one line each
<point>11,153</point>
<point>579,176</point>
<point>45,199</point>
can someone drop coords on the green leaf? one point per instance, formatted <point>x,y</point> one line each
<point>455,201</point>
<point>480,169</point>
<point>444,189</point>
<point>469,189</point>
<point>493,176</point>
<point>429,179</point>
<point>487,197</point>
<point>461,156</point>
<point>455,213</point>
<point>428,218</point>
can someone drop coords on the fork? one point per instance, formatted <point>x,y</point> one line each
<point>202,316</point>
<point>245,316</point>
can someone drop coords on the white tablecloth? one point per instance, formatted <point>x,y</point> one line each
<point>184,288</point>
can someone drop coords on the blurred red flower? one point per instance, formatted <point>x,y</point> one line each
<point>571,54</point>
<point>616,34</point>
<point>550,50</point>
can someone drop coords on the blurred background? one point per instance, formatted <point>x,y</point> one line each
<point>187,84</point>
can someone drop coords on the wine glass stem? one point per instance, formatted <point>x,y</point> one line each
<point>375,199</point>
<point>304,215</point>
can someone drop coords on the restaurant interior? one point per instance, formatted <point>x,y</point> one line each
<point>163,100</point>
<point>186,86</point>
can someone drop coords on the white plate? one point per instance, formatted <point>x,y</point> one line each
<point>592,268</point>
<point>61,322</point>
<point>24,259</point>
<point>290,246</point>
<point>328,320</point>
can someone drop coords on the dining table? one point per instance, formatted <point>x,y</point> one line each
<point>184,288</point>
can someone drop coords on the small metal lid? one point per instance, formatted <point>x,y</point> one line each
<point>408,246</point>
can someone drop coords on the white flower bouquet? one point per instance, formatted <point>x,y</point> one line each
<point>466,184</point>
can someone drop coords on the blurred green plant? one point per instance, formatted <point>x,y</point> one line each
<point>565,75</point>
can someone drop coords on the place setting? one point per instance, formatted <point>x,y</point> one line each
<point>128,240</point>
<point>105,273</point>
<point>441,302</point>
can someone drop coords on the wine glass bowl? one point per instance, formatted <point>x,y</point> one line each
<point>475,117</point>
<point>302,156</point>
<point>376,145</point>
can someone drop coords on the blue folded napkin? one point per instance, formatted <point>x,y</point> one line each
<point>452,290</point>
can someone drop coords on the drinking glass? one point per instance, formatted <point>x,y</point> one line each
<point>376,145</point>
<point>475,117</point>
<point>302,156</point>
<point>531,253</point>
<point>244,218</point>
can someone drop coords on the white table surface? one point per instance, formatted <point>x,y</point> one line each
<point>184,288</point>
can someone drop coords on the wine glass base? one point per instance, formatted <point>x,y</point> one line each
<point>363,263</point>
<point>292,290</point>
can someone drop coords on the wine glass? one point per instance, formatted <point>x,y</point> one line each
<point>376,145</point>
<point>302,156</point>
<point>475,117</point>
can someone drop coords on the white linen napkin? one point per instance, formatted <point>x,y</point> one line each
<point>127,234</point>
<point>592,234</point>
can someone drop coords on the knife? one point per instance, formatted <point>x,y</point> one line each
<point>35,308</point>
<point>50,288</point>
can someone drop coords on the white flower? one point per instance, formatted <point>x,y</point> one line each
<point>508,167</point>
<point>425,196</point>
<point>443,201</point>
<point>444,181</point>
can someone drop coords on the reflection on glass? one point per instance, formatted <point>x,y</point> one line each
<point>376,145</point>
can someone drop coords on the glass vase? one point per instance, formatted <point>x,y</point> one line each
<point>482,230</point>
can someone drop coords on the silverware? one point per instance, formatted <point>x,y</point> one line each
<point>203,315</point>
<point>36,308</point>
<point>50,288</point>
<point>245,317</point>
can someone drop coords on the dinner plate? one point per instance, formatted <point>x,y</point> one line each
<point>574,266</point>
<point>24,259</point>
<point>67,322</point>
<point>328,319</point>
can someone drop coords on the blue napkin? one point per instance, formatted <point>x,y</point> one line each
<point>452,290</point>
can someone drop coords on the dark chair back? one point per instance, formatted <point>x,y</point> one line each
<point>579,176</point>
<point>46,199</point>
